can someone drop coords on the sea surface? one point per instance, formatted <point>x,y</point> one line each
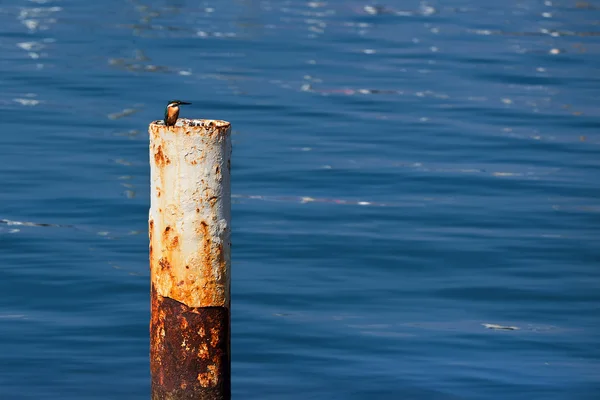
<point>416,193</point>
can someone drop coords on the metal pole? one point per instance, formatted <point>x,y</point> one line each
<point>190,259</point>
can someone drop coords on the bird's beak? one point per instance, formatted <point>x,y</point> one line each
<point>184,102</point>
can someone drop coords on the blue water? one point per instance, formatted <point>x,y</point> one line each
<point>403,175</point>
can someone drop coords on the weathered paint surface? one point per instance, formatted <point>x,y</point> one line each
<point>190,211</point>
<point>190,351</point>
<point>189,228</point>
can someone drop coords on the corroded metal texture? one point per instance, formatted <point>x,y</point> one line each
<point>190,211</point>
<point>189,351</point>
<point>189,228</point>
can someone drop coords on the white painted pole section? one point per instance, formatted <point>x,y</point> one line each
<point>190,211</point>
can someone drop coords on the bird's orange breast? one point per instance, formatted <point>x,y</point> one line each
<point>172,114</point>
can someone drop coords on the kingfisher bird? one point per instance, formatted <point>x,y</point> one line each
<point>172,112</point>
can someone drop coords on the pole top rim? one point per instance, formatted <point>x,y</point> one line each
<point>203,123</point>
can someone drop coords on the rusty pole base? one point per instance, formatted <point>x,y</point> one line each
<point>189,351</point>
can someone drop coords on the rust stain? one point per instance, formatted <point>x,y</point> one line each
<point>170,239</point>
<point>199,279</point>
<point>203,351</point>
<point>220,252</point>
<point>184,361</point>
<point>214,337</point>
<point>203,231</point>
<point>210,255</point>
<point>210,377</point>
<point>206,262</point>
<point>150,229</point>
<point>160,158</point>
<point>164,264</point>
